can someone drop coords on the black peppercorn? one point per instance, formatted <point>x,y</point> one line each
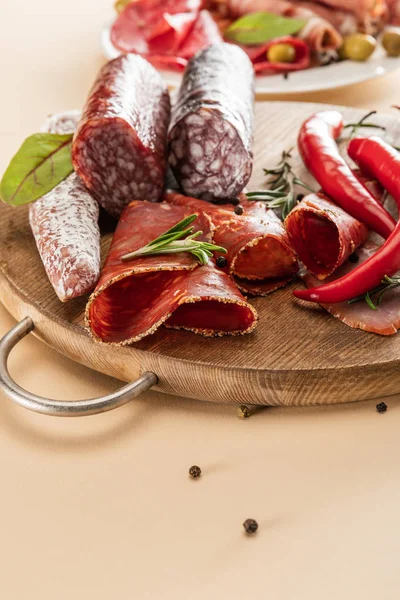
<point>300,197</point>
<point>286,76</point>
<point>250,526</point>
<point>195,471</point>
<point>354,258</point>
<point>381,407</point>
<point>239,209</point>
<point>221,262</point>
<point>243,412</point>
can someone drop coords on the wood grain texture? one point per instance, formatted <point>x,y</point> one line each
<point>298,355</point>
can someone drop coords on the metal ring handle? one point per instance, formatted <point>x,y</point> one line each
<point>61,408</point>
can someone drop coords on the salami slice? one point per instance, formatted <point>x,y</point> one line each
<point>259,257</point>
<point>323,234</point>
<point>384,321</point>
<point>134,298</point>
<point>119,149</point>
<point>212,124</point>
<point>64,223</point>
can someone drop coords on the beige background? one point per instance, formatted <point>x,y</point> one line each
<point>102,507</point>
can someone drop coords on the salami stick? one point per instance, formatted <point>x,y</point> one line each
<point>212,124</point>
<point>119,149</point>
<point>64,223</point>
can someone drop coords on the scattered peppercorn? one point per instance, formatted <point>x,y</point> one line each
<point>239,209</point>
<point>381,407</point>
<point>299,197</point>
<point>243,412</point>
<point>354,258</point>
<point>286,76</point>
<point>195,471</point>
<point>250,526</point>
<point>221,262</point>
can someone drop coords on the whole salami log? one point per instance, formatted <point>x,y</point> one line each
<point>134,298</point>
<point>259,256</point>
<point>119,149</point>
<point>64,223</point>
<point>212,124</point>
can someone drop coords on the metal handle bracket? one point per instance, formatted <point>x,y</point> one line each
<point>61,408</point>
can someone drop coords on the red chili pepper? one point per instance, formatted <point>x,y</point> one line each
<point>381,161</point>
<point>321,156</point>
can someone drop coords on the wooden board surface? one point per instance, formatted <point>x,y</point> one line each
<point>298,355</point>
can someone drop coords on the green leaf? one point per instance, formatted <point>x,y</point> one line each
<point>43,160</point>
<point>261,27</point>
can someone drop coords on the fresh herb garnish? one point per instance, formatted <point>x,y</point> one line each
<point>363,123</point>
<point>261,27</point>
<point>281,181</point>
<point>179,238</point>
<point>41,163</point>
<point>388,284</point>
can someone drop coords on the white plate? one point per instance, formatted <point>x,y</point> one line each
<point>309,80</point>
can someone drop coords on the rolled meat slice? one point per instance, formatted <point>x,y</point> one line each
<point>134,298</point>
<point>259,256</point>
<point>323,234</point>
<point>211,129</point>
<point>258,56</point>
<point>384,321</point>
<point>119,149</point>
<point>319,34</point>
<point>64,223</point>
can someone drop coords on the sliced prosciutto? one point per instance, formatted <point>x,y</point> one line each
<point>318,33</point>
<point>323,234</point>
<point>384,321</point>
<point>165,33</point>
<point>259,258</point>
<point>134,298</point>
<point>394,11</point>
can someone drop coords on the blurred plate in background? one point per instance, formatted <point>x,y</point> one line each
<point>310,80</point>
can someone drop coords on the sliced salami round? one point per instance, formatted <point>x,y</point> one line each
<point>119,149</point>
<point>211,130</point>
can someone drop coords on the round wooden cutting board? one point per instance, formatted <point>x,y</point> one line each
<point>298,355</point>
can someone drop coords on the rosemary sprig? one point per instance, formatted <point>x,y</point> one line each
<point>362,123</point>
<point>281,191</point>
<point>388,284</point>
<point>179,238</point>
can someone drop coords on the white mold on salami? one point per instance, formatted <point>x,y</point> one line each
<point>64,223</point>
<point>119,149</point>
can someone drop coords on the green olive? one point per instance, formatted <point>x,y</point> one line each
<point>281,53</point>
<point>358,46</point>
<point>391,41</point>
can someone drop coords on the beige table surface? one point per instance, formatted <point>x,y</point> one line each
<point>102,507</point>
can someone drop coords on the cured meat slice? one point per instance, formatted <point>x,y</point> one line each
<point>204,33</point>
<point>212,124</point>
<point>384,321</point>
<point>257,55</point>
<point>64,223</point>
<point>259,256</point>
<point>323,234</point>
<point>319,34</point>
<point>134,298</point>
<point>394,11</point>
<point>119,149</point>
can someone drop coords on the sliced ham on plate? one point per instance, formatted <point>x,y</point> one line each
<point>384,321</point>
<point>134,298</point>
<point>259,258</point>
